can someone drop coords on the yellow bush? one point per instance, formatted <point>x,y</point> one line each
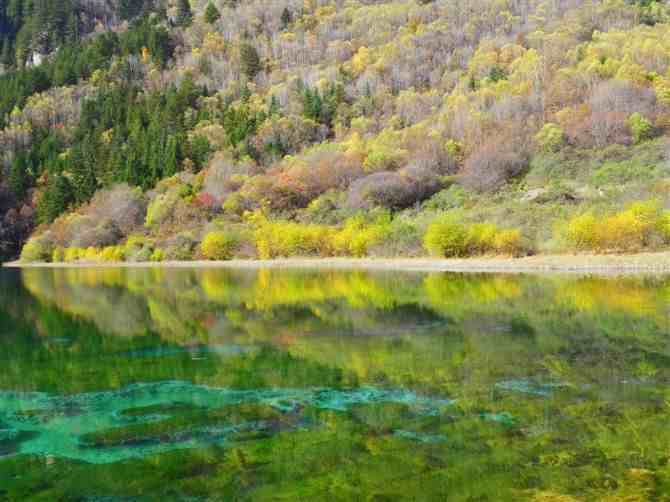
<point>91,254</point>
<point>630,230</point>
<point>481,238</point>
<point>357,237</point>
<point>508,242</point>
<point>73,254</point>
<point>665,227</point>
<point>581,232</point>
<point>621,232</point>
<point>112,254</point>
<point>284,238</point>
<point>218,245</point>
<point>157,255</point>
<point>58,255</point>
<point>447,238</point>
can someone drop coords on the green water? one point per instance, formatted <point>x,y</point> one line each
<point>150,384</point>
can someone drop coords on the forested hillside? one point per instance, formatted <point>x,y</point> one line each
<point>258,128</point>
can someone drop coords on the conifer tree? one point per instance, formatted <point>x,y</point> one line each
<point>184,13</point>
<point>286,18</point>
<point>250,62</point>
<point>212,14</point>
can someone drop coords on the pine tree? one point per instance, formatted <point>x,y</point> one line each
<point>184,13</point>
<point>274,106</point>
<point>286,18</point>
<point>171,162</point>
<point>84,179</point>
<point>212,14</point>
<point>56,198</point>
<point>18,177</point>
<point>250,62</point>
<point>7,55</point>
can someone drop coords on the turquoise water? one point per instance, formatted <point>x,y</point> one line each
<point>53,425</point>
<point>210,384</point>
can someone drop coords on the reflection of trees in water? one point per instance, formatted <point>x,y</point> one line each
<point>502,321</point>
<point>440,334</point>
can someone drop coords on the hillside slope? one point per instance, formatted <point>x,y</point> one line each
<point>264,129</point>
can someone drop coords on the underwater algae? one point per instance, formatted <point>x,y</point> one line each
<point>59,425</point>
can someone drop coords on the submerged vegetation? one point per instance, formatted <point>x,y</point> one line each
<point>380,120</point>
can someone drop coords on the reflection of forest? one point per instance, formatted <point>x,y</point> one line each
<point>430,328</point>
<point>596,348</point>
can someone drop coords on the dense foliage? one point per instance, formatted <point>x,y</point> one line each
<point>516,115</point>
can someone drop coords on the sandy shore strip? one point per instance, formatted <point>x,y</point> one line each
<point>583,263</point>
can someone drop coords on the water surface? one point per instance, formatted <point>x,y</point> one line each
<point>214,384</point>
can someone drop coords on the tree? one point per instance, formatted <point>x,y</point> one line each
<point>250,62</point>
<point>212,14</point>
<point>55,199</point>
<point>184,13</point>
<point>18,177</point>
<point>286,18</point>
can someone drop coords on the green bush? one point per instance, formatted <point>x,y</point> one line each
<point>640,128</point>
<point>219,245</point>
<point>161,207</point>
<point>446,237</point>
<point>37,249</point>
<point>550,138</point>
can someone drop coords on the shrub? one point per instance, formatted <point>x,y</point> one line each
<point>641,129</point>
<point>218,245</point>
<point>581,232</point>
<point>136,249</point>
<point>508,242</point>
<point>113,254</point>
<point>482,238</point>
<point>157,255</point>
<point>446,237</point>
<point>357,237</point>
<point>641,225</point>
<point>122,205</point>
<point>394,190</point>
<point>550,138</point>
<point>286,238</point>
<point>37,249</point>
<point>73,254</point>
<point>103,234</point>
<point>58,255</point>
<point>494,164</point>
<point>161,207</point>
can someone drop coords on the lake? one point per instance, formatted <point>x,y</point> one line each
<point>218,384</point>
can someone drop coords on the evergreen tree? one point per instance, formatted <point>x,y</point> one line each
<point>18,177</point>
<point>55,200</point>
<point>184,13</point>
<point>171,162</point>
<point>84,179</point>
<point>250,62</point>
<point>7,55</point>
<point>274,106</point>
<point>212,14</point>
<point>286,18</point>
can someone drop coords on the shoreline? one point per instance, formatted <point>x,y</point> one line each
<point>583,263</point>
